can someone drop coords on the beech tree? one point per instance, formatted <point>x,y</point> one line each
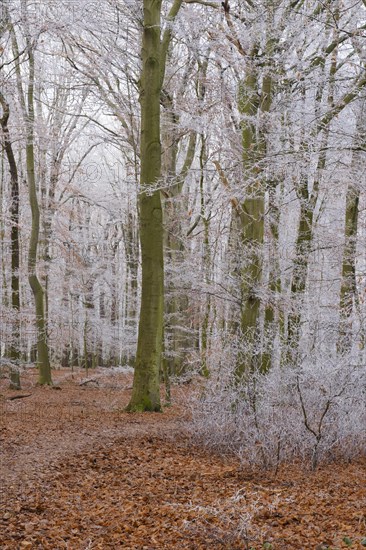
<point>14,352</point>
<point>154,51</point>
<point>26,100</point>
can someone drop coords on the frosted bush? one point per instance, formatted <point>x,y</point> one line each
<point>314,412</point>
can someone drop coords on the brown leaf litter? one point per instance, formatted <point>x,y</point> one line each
<point>79,473</point>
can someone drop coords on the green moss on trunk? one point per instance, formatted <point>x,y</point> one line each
<point>43,362</point>
<point>146,383</point>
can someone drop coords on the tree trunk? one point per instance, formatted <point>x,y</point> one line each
<point>14,351</point>
<point>349,285</point>
<point>42,346</point>
<point>146,383</point>
<point>251,216</point>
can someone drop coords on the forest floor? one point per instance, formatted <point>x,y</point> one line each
<point>79,473</point>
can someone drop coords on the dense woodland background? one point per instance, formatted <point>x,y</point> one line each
<point>263,134</point>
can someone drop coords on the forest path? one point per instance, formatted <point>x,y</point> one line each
<point>78,473</point>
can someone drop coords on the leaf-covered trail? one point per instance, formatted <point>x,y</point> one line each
<point>78,473</point>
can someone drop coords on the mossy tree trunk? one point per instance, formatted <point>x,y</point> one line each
<point>38,293</point>
<point>154,50</point>
<point>349,285</point>
<point>146,382</point>
<point>254,103</point>
<point>251,215</point>
<point>14,350</point>
<point>349,295</point>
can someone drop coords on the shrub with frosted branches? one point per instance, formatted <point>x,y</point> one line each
<point>314,411</point>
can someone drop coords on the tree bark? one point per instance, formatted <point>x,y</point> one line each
<point>251,214</point>
<point>14,350</point>
<point>146,384</point>
<point>38,293</point>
